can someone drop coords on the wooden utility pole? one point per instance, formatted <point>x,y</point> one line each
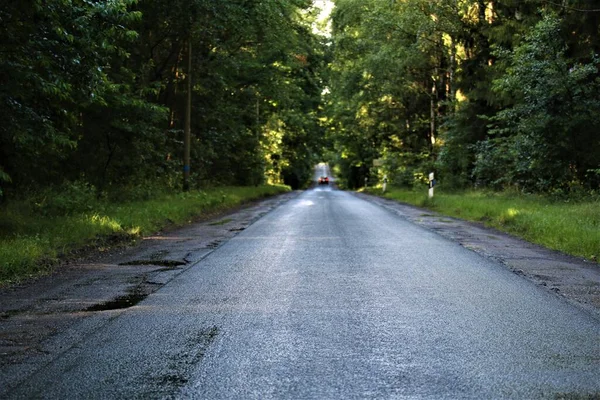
<point>188,122</point>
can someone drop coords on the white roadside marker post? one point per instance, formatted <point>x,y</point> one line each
<point>431,185</point>
<point>384,183</point>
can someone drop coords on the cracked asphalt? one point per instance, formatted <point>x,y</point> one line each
<point>319,294</point>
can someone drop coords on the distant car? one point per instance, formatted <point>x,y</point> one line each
<point>324,180</point>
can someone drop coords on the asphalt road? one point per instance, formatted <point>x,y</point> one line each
<point>330,296</point>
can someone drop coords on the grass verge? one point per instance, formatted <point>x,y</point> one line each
<point>31,243</point>
<point>569,227</point>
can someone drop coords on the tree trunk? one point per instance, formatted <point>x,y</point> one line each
<point>451,71</point>
<point>432,110</point>
<point>188,119</point>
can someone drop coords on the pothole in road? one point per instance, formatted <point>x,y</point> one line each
<point>236,229</point>
<point>214,244</point>
<point>126,301</point>
<point>160,263</point>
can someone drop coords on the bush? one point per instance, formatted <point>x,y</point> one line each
<point>548,137</point>
<point>66,199</point>
<point>408,169</point>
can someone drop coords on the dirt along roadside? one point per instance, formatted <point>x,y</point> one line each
<point>575,280</point>
<point>40,319</point>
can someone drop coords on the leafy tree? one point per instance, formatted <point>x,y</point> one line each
<point>53,60</point>
<point>392,95</point>
<point>94,91</point>
<point>468,87</point>
<point>550,130</point>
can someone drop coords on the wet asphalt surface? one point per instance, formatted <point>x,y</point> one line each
<point>330,296</point>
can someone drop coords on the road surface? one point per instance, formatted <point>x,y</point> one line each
<point>330,296</point>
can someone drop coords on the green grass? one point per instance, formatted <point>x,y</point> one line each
<point>569,227</point>
<point>31,242</point>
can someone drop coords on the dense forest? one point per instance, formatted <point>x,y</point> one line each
<point>498,94</point>
<point>94,93</point>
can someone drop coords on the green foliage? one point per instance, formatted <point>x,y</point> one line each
<point>97,89</point>
<point>254,63</point>
<point>389,82</point>
<point>495,94</point>
<point>68,198</point>
<point>547,135</point>
<point>53,61</point>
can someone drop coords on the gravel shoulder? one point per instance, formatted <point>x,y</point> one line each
<point>574,279</point>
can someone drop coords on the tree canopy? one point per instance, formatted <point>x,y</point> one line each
<point>94,92</point>
<point>501,93</point>
<point>498,93</point>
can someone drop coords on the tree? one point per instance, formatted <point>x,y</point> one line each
<point>393,73</point>
<point>53,63</point>
<point>550,130</point>
<point>92,91</point>
<point>465,87</point>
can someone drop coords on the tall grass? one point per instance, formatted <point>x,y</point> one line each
<point>31,241</point>
<point>569,227</point>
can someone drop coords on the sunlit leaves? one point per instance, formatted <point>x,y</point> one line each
<point>549,127</point>
<point>407,74</point>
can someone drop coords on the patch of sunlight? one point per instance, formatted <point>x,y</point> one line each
<point>134,231</point>
<point>447,40</point>
<point>105,221</point>
<point>386,99</point>
<point>512,212</point>
<point>419,177</point>
<point>362,111</point>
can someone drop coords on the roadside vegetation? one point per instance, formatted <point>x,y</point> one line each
<point>36,234</point>
<point>501,95</point>
<point>572,227</point>
<point>97,92</point>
